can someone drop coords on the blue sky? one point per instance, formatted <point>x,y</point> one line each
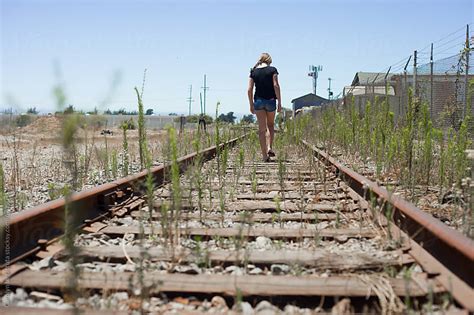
<point>102,47</point>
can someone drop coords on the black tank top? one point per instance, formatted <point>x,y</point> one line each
<point>263,78</point>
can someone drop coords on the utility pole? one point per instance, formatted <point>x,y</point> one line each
<point>205,88</point>
<point>200,99</point>
<point>414,73</point>
<point>466,73</point>
<point>190,98</point>
<point>431,81</point>
<point>313,72</point>
<point>329,89</point>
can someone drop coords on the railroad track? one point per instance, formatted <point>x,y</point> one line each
<point>300,235</point>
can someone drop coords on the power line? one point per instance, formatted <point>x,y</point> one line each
<point>402,61</point>
<point>456,31</point>
<point>425,58</point>
<point>443,38</point>
<point>397,69</point>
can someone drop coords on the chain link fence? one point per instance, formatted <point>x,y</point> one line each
<point>444,85</point>
<point>441,75</point>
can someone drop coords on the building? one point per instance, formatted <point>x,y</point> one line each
<point>308,100</point>
<point>444,93</point>
<point>370,83</point>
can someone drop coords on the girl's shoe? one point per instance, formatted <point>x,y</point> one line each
<point>267,159</point>
<point>271,153</point>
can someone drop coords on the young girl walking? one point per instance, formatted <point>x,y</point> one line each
<point>265,101</point>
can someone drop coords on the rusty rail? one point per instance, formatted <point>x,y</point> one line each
<point>449,247</point>
<point>32,229</point>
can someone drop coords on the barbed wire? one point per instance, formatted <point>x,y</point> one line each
<point>441,81</point>
<point>443,38</point>
<point>444,47</point>
<point>456,39</point>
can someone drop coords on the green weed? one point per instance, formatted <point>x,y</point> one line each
<point>125,155</point>
<point>114,164</point>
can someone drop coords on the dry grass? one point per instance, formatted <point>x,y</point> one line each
<point>33,159</point>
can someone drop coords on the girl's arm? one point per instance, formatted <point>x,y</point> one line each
<point>276,86</point>
<point>250,95</point>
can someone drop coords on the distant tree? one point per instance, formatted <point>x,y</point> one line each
<point>69,110</point>
<point>228,118</point>
<point>149,111</point>
<point>222,118</point>
<point>107,112</point>
<point>248,119</point>
<point>172,114</point>
<point>93,112</point>
<point>121,111</point>
<point>32,111</point>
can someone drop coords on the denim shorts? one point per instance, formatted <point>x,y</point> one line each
<point>264,104</point>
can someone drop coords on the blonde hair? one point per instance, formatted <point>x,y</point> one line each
<point>264,58</point>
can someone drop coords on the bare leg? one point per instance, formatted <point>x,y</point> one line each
<point>271,128</point>
<point>262,131</point>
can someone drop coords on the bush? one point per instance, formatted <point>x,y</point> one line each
<point>195,119</point>
<point>130,124</point>
<point>69,110</point>
<point>23,120</point>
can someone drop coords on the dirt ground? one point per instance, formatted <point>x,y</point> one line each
<point>33,159</point>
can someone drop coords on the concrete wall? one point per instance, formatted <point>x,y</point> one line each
<point>112,121</point>
<point>153,122</point>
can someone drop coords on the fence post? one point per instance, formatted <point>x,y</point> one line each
<point>182,121</point>
<point>415,90</point>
